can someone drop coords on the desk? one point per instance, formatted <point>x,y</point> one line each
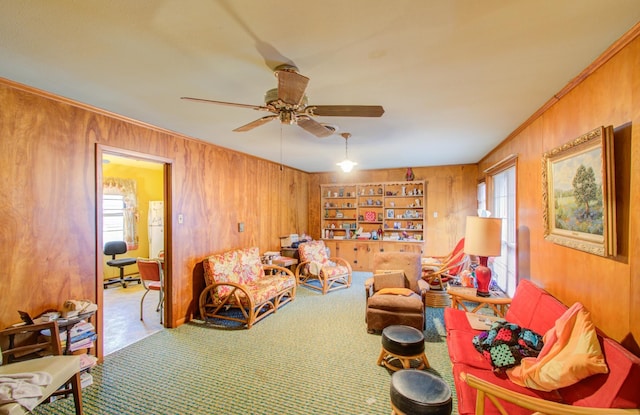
<point>497,301</point>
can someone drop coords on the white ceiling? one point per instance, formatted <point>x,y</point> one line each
<point>455,77</point>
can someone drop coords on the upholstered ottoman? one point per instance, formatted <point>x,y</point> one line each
<point>418,392</point>
<point>402,344</point>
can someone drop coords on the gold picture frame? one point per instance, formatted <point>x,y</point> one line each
<point>578,189</point>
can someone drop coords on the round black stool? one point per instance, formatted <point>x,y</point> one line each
<point>416,392</point>
<point>402,343</point>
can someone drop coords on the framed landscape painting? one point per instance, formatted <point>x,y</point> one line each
<point>579,193</point>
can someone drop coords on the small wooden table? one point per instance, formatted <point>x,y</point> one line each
<point>497,301</point>
<point>284,261</point>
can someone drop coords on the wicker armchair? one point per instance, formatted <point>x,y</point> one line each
<point>318,271</point>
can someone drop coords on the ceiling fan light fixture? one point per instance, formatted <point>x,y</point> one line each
<point>346,165</point>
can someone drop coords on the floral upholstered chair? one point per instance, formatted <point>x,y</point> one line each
<point>318,271</point>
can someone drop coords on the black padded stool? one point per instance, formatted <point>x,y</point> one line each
<point>404,344</point>
<point>416,392</point>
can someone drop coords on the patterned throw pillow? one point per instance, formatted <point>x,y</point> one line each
<point>505,344</point>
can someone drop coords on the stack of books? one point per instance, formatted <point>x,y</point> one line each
<point>82,336</point>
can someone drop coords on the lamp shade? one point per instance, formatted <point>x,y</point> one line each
<point>483,236</point>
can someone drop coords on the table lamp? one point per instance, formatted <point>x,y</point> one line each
<point>483,238</point>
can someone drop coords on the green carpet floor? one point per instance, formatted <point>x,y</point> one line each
<point>314,356</point>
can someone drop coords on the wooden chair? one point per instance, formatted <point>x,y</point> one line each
<point>29,351</point>
<point>318,271</point>
<point>437,271</point>
<point>152,278</point>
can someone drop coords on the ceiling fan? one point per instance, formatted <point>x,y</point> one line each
<point>288,103</point>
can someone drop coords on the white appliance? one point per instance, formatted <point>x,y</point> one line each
<point>156,228</point>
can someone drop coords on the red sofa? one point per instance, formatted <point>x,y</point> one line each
<point>479,389</point>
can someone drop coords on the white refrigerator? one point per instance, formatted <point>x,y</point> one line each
<point>156,228</point>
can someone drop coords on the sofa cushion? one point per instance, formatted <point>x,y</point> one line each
<point>455,319</point>
<point>534,308</point>
<point>389,279</point>
<point>240,266</point>
<point>617,389</point>
<point>571,353</point>
<point>333,271</point>
<point>396,303</point>
<point>461,350</point>
<point>314,251</point>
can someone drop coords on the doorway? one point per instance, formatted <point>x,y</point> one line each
<point>131,188</point>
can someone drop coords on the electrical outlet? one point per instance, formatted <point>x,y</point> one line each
<point>435,214</point>
<point>180,218</point>
<point>241,227</point>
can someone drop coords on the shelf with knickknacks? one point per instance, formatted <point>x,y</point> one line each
<point>371,208</point>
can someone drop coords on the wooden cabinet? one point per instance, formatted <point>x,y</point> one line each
<point>360,219</point>
<point>360,253</point>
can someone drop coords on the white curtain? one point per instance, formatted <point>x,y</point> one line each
<point>127,189</point>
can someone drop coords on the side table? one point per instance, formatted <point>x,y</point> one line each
<point>497,301</point>
<point>285,262</point>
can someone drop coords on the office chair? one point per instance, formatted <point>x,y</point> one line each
<point>114,248</point>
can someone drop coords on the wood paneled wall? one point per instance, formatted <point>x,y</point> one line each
<point>450,195</point>
<point>48,201</point>
<point>608,287</point>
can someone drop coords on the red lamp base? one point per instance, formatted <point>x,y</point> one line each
<point>483,278</point>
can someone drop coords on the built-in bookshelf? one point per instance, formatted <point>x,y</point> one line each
<point>387,211</point>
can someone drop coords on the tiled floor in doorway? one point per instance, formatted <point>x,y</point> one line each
<point>122,325</point>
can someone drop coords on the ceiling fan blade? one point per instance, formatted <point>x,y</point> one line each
<point>346,110</point>
<point>314,127</point>
<point>256,123</point>
<point>291,86</point>
<point>233,104</point>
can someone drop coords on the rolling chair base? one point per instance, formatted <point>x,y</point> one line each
<point>121,280</point>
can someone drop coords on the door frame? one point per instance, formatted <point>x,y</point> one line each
<point>168,264</point>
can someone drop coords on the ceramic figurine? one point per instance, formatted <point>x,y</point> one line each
<point>409,174</point>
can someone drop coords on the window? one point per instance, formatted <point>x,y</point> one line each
<point>112,218</point>
<point>120,211</point>
<point>482,197</point>
<point>502,199</point>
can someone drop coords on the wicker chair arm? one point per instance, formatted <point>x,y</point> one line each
<point>341,261</point>
<point>209,289</point>
<point>300,268</point>
<point>539,406</point>
<point>272,267</point>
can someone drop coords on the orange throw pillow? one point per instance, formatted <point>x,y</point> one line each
<point>571,352</point>
<point>396,291</point>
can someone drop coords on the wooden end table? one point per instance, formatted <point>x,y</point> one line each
<point>497,301</point>
<point>285,262</point>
